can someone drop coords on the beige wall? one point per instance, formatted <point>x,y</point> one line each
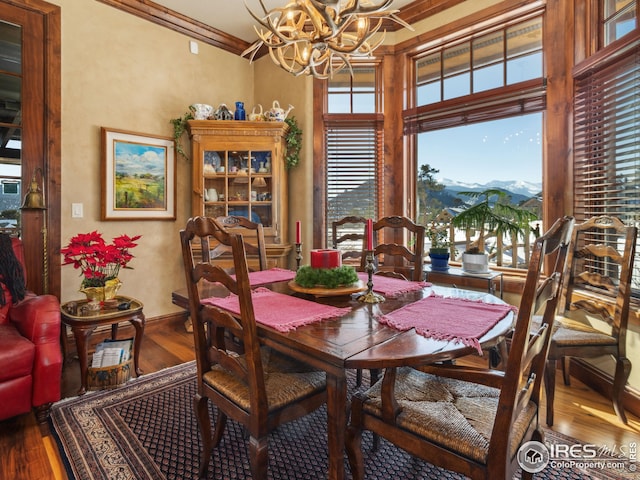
<point>122,72</point>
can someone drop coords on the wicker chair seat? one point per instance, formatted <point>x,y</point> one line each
<point>572,332</point>
<point>285,381</point>
<point>455,414</point>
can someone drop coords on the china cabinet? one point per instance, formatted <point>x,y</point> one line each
<point>238,169</point>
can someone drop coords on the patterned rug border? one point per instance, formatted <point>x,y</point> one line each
<point>103,436</point>
<point>62,420</point>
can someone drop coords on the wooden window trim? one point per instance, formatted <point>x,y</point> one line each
<point>520,98</point>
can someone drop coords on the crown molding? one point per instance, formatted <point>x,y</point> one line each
<point>419,10</point>
<point>180,23</point>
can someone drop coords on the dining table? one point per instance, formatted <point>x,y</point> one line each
<point>363,337</point>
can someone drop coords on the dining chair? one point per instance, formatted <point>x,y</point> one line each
<point>471,420</point>
<point>346,234</point>
<point>594,307</point>
<point>396,259</point>
<point>261,388</point>
<point>256,252</point>
<point>221,253</point>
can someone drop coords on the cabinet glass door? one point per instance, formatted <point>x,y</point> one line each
<point>238,183</point>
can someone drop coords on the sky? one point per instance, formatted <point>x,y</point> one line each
<point>139,158</point>
<point>509,149</point>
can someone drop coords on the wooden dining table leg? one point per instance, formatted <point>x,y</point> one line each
<point>336,422</point>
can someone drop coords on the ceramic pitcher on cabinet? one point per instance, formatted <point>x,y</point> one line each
<point>277,114</point>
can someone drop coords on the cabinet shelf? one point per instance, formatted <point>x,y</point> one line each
<point>261,196</point>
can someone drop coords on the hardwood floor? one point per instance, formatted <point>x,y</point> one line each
<point>29,451</point>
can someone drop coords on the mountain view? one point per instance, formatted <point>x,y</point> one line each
<point>350,202</point>
<point>519,191</point>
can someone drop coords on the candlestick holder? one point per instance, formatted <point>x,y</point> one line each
<point>369,296</point>
<point>298,254</point>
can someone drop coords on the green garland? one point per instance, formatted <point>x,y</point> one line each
<point>308,277</point>
<point>179,127</point>
<point>293,140</point>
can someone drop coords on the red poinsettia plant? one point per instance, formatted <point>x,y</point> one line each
<point>98,260</point>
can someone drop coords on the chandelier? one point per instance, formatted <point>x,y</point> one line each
<point>320,37</point>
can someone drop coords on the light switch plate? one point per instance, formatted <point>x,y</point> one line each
<point>77,210</point>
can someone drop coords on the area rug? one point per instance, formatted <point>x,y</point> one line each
<point>146,430</point>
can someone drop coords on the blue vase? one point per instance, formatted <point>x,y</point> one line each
<point>240,113</point>
<point>439,261</point>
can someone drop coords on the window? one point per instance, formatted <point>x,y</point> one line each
<point>353,140</point>
<point>11,114</point>
<point>478,122</point>
<point>355,94</point>
<point>506,56</point>
<point>619,18</point>
<point>10,188</point>
<point>352,170</point>
<point>607,141</point>
<point>503,154</point>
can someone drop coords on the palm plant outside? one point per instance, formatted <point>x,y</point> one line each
<point>493,213</point>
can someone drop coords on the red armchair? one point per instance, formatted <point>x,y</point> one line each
<point>30,352</point>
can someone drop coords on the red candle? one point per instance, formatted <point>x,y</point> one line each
<point>369,234</point>
<point>298,234</point>
<point>327,258</point>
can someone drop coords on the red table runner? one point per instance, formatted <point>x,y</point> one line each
<point>392,287</point>
<point>280,311</point>
<point>446,318</point>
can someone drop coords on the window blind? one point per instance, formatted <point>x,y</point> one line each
<point>354,157</point>
<point>607,142</point>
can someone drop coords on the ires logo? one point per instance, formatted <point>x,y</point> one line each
<point>533,456</point>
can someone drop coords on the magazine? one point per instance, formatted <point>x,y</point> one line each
<point>112,352</point>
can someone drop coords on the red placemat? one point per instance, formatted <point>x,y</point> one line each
<point>280,311</point>
<point>392,287</point>
<point>272,275</point>
<point>447,318</point>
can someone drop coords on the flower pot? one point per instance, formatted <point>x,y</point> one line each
<point>439,260</point>
<point>475,262</point>
<point>100,294</point>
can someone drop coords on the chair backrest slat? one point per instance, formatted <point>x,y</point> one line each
<point>348,233</point>
<point>397,256</point>
<point>255,249</point>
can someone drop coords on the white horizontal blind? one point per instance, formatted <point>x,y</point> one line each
<point>607,143</point>
<point>354,155</point>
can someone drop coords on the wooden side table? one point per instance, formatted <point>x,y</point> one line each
<point>83,322</point>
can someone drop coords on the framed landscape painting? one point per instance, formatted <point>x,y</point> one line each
<point>138,176</point>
